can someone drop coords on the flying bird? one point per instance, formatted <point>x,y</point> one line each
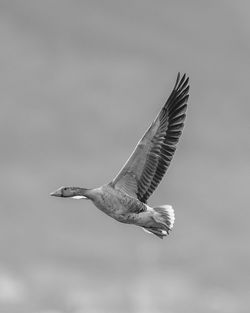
<point>125,197</point>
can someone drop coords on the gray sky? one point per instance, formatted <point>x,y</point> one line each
<point>80,83</point>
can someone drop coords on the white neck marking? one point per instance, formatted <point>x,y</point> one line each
<point>79,197</point>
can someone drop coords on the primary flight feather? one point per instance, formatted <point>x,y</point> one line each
<point>126,196</point>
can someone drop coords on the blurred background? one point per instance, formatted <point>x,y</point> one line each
<point>80,83</point>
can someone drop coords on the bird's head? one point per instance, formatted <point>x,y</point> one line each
<point>70,192</point>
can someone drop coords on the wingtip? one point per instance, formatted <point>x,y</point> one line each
<point>177,80</point>
<point>181,81</point>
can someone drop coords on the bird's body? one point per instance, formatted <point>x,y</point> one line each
<point>116,203</point>
<point>125,197</point>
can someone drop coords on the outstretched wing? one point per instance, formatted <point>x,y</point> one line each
<point>148,163</point>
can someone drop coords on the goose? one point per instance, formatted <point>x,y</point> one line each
<point>125,197</point>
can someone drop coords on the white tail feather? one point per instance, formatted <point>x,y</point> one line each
<point>165,215</point>
<point>162,221</point>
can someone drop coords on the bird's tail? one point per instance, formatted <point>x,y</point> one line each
<point>163,221</point>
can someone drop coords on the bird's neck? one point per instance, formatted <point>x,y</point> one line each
<point>81,192</point>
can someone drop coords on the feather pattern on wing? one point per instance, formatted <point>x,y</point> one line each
<point>148,163</point>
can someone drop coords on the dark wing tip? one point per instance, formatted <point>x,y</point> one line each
<point>177,80</point>
<point>181,83</point>
<point>179,93</point>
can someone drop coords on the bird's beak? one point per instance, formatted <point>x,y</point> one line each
<point>56,193</point>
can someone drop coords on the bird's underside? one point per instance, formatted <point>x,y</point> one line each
<point>125,198</point>
<point>129,210</point>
